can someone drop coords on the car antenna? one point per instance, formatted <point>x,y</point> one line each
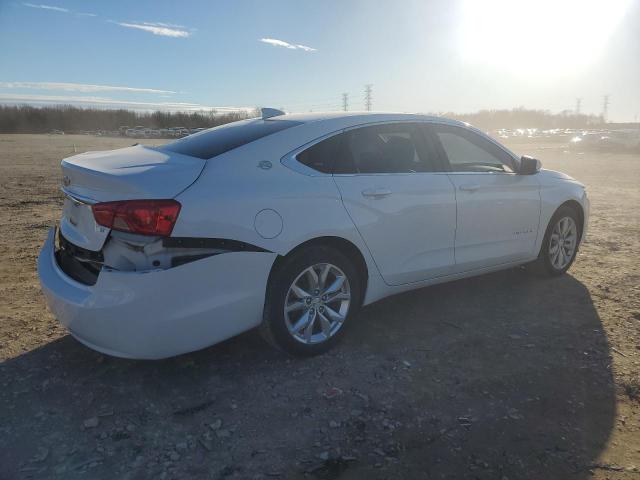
<point>270,112</point>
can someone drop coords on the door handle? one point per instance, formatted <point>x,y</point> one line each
<point>378,192</point>
<point>469,187</point>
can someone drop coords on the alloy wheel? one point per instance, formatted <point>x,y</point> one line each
<point>563,242</point>
<point>317,303</point>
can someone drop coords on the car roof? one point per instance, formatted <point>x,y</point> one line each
<point>319,124</point>
<point>359,118</point>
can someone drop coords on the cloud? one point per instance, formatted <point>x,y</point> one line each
<point>281,43</point>
<point>160,24</point>
<point>162,29</point>
<point>47,7</point>
<point>102,102</point>
<point>305,48</point>
<point>80,87</point>
<point>156,28</point>
<point>58,9</point>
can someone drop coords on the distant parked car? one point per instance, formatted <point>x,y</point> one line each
<point>609,140</point>
<point>290,223</point>
<point>139,131</point>
<point>181,131</point>
<point>56,132</point>
<point>621,140</point>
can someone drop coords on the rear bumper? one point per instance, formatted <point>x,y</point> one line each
<point>162,313</point>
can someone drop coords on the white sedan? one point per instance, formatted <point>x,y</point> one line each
<point>290,223</point>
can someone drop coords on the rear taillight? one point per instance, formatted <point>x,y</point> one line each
<point>145,217</point>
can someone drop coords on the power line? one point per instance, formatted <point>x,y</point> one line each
<point>345,102</point>
<point>368,89</point>
<point>605,108</point>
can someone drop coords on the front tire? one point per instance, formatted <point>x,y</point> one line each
<point>310,298</point>
<point>561,242</point>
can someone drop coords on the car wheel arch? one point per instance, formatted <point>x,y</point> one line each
<point>346,247</point>
<point>575,206</point>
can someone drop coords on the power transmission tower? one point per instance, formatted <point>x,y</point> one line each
<point>345,102</point>
<point>368,89</point>
<point>605,108</point>
<point>578,105</point>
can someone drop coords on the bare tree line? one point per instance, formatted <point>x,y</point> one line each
<point>524,118</point>
<point>29,119</point>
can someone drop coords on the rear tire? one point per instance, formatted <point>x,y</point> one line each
<point>310,298</point>
<point>560,244</point>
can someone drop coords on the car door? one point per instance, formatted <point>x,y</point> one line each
<point>403,207</point>
<point>498,210</point>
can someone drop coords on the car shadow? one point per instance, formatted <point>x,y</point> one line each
<point>503,375</point>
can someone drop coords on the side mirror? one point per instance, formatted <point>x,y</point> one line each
<point>529,165</point>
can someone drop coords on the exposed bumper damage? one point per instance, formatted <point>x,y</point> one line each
<point>163,311</point>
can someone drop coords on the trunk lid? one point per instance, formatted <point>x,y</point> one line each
<point>131,173</point>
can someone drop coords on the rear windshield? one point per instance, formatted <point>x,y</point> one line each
<point>218,140</point>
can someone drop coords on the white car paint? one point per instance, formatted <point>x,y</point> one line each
<point>136,172</point>
<point>159,313</point>
<point>488,232</point>
<point>129,173</point>
<point>382,205</point>
<point>412,230</point>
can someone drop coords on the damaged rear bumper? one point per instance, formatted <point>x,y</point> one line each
<point>159,313</point>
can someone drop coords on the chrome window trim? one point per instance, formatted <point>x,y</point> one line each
<point>481,173</point>
<point>420,173</point>
<point>290,160</point>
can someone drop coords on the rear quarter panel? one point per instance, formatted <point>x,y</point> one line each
<point>234,187</point>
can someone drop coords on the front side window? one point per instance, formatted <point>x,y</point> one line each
<point>467,151</point>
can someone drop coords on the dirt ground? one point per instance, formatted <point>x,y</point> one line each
<point>503,376</point>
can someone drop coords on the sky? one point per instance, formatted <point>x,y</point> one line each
<point>418,55</point>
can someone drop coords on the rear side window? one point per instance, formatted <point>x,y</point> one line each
<point>322,155</point>
<point>386,148</point>
<point>390,148</point>
<point>218,140</point>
